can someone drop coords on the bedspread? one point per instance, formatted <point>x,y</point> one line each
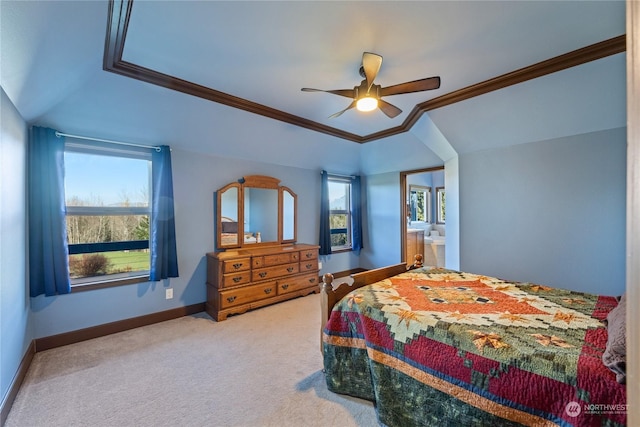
<point>440,347</point>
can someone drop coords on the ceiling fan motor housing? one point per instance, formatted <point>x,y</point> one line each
<point>361,91</point>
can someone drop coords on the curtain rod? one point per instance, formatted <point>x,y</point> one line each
<point>337,174</point>
<point>60,134</point>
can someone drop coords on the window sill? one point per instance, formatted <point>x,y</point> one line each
<point>110,283</point>
<point>337,251</point>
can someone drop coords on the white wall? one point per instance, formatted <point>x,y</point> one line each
<point>15,328</point>
<point>550,212</point>
<point>452,186</point>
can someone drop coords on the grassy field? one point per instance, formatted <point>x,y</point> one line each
<point>123,261</point>
<point>90,265</point>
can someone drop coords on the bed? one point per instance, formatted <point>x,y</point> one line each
<point>229,231</point>
<point>435,347</point>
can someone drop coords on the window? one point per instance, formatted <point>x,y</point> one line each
<point>340,212</point>
<point>440,206</point>
<point>420,203</point>
<point>108,209</point>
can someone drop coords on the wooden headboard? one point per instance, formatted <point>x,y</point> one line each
<point>330,295</point>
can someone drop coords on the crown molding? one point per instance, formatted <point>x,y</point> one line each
<point>118,22</point>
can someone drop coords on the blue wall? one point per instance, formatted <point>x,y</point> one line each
<point>196,178</point>
<point>551,212</point>
<point>15,327</point>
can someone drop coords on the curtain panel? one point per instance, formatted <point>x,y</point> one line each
<point>325,229</point>
<point>48,252</point>
<point>356,214</point>
<point>164,257</point>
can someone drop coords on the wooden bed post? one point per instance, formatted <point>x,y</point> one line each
<point>417,262</point>
<point>325,291</point>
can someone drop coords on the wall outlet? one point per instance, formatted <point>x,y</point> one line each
<point>168,293</point>
<point>320,265</point>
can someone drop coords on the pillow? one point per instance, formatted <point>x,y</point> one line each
<point>615,353</point>
<point>229,227</point>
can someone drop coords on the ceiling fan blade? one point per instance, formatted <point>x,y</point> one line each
<point>409,87</point>
<point>390,110</point>
<point>371,63</point>
<point>333,116</point>
<point>349,93</point>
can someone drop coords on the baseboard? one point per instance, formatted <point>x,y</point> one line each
<point>7,402</point>
<point>72,337</point>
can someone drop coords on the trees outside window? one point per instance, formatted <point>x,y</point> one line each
<point>420,203</point>
<point>107,212</point>
<point>440,207</point>
<point>340,212</point>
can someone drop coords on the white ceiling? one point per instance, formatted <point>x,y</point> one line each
<point>265,51</point>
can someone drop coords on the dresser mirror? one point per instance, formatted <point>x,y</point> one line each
<point>228,215</point>
<point>256,210</point>
<point>288,215</point>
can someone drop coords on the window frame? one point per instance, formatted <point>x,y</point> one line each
<point>348,212</point>
<point>427,198</point>
<point>440,205</point>
<point>115,279</point>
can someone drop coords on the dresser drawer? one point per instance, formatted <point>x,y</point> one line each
<point>308,265</point>
<point>308,254</point>
<point>236,279</point>
<point>276,259</point>
<point>293,284</point>
<point>234,297</point>
<point>239,264</point>
<point>273,272</point>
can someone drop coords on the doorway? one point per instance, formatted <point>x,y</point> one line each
<point>422,215</point>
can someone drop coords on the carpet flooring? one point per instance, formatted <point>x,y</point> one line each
<point>261,368</point>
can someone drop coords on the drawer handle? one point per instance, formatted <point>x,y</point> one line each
<point>262,274</point>
<point>237,266</point>
<point>295,256</point>
<point>237,279</point>
<point>231,299</point>
<point>267,291</point>
<point>312,280</point>
<point>289,269</point>
<point>309,254</point>
<point>285,286</point>
<point>309,266</point>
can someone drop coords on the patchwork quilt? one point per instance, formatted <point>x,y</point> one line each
<point>436,347</point>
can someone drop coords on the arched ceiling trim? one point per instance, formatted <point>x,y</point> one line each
<point>118,21</point>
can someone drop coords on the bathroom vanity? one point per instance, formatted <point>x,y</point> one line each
<point>415,243</point>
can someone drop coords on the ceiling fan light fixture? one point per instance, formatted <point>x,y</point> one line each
<point>367,103</point>
<point>367,96</point>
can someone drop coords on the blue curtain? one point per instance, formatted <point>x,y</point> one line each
<point>164,258</point>
<point>356,214</point>
<point>325,229</point>
<point>48,254</point>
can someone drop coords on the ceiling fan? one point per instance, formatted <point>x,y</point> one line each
<point>367,96</point>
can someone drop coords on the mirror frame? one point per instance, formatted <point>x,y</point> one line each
<point>219,216</point>
<point>281,230</point>
<point>256,181</point>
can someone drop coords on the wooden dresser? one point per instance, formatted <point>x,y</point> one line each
<point>247,278</point>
